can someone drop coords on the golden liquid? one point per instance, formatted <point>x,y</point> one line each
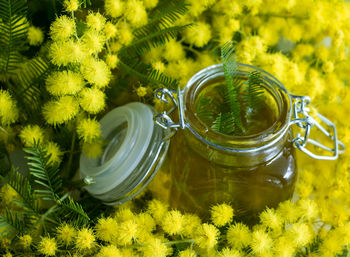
<point>191,182</point>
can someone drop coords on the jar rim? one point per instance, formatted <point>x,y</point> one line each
<point>231,143</point>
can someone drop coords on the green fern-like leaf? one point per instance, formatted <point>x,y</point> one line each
<point>10,224</point>
<point>13,34</point>
<point>159,78</point>
<point>22,186</point>
<point>232,82</point>
<point>224,123</point>
<point>73,211</point>
<point>206,110</point>
<point>43,174</point>
<point>255,92</point>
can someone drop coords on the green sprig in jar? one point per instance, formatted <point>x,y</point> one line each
<point>203,167</point>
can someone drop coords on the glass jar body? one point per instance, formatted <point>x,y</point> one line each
<point>193,183</point>
<point>204,167</point>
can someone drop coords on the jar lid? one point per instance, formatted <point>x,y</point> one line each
<point>129,134</point>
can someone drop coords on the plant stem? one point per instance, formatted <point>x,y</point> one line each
<point>70,159</point>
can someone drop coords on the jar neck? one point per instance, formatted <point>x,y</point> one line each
<point>259,147</point>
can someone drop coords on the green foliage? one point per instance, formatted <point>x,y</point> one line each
<point>44,174</point>
<point>10,224</point>
<point>225,113</point>
<point>73,211</point>
<point>13,34</point>
<point>156,32</point>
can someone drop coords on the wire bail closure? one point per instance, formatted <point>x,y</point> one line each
<point>307,122</point>
<point>301,118</point>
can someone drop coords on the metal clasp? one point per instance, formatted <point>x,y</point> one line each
<point>163,119</point>
<point>302,118</point>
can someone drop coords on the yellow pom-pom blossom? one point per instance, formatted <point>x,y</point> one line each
<point>207,237</point>
<point>125,35</point>
<point>145,223</point>
<point>88,130</point>
<point>96,72</point>
<point>156,248</point>
<point>173,51</point>
<point>47,246</point>
<point>8,110</point>
<point>62,28</point>
<point>94,149</point>
<point>127,232</point>
<point>141,91</point>
<point>328,67</point>
<point>63,53</point>
<point>95,21</point>
<point>136,13</point>
<point>284,247</point>
<point>271,219</point>
<point>149,4</point>
<point>109,251</point>
<point>112,60</point>
<point>110,30</point>
<point>238,235</point>
<point>31,134</point>
<point>187,253</point>
<point>308,209</point>
<point>114,8</point>
<point>93,41</point>
<point>71,5</point>
<point>157,209</point>
<point>221,214</point>
<point>227,252</point>
<point>54,152</point>
<point>192,222</point>
<point>7,255</point>
<point>8,194</point>
<point>300,234</point>
<point>60,111</point>
<point>173,223</point>
<point>65,234</point>
<point>92,100</point>
<point>85,239</point>
<point>106,229</point>
<point>25,241</point>
<point>198,35</point>
<point>261,242</point>
<point>124,214</point>
<point>35,36</point>
<point>64,83</point>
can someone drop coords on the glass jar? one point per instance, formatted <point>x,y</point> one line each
<point>204,167</point>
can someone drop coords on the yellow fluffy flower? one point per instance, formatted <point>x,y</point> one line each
<point>261,242</point>
<point>300,234</point>
<point>25,241</point>
<point>192,222</point>
<point>198,35</point>
<point>88,130</point>
<point>112,60</point>
<point>207,237</point>
<point>54,152</point>
<point>71,5</point>
<point>47,246</point>
<point>65,233</point>
<point>127,232</point>
<point>271,219</point>
<point>95,21</point>
<point>149,4</point>
<point>114,8</point>
<point>145,223</point>
<point>328,67</point>
<point>106,229</point>
<point>8,194</point>
<point>124,214</point>
<point>8,110</point>
<point>92,100</point>
<point>96,72</point>
<point>286,210</point>
<point>64,83</point>
<point>125,35</point>
<point>238,235</point>
<point>173,51</point>
<point>157,209</point>
<point>63,53</point>
<point>94,149</point>
<point>61,110</point>
<point>110,30</point>
<point>109,251</point>
<point>62,28</point>
<point>35,36</point>
<point>31,134</point>
<point>187,253</point>
<point>156,248</point>
<point>141,91</point>
<point>173,223</point>
<point>136,13</point>
<point>221,214</point>
<point>93,41</point>
<point>227,252</point>
<point>85,239</point>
